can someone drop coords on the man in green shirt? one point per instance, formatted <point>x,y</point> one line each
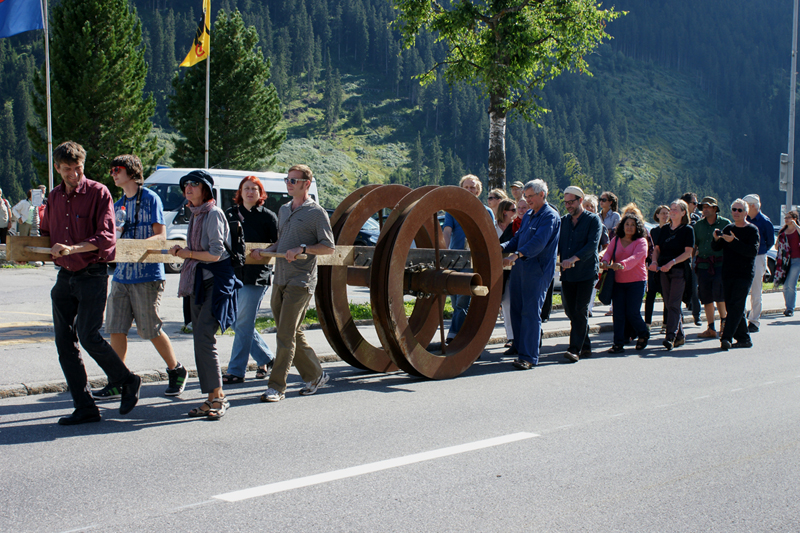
<point>709,264</point>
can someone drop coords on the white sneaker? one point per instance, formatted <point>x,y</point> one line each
<point>272,396</point>
<point>312,386</point>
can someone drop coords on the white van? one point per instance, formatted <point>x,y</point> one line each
<point>166,183</point>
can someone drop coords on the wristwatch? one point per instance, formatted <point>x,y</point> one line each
<point>303,246</point>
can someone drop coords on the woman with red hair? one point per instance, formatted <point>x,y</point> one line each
<point>259,225</point>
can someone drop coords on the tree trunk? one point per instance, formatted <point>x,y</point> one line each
<point>497,144</point>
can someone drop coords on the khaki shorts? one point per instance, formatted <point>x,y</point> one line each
<point>139,301</point>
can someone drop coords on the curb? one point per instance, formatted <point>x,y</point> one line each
<point>153,376</point>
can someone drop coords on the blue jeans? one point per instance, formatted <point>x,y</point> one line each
<point>790,288</point>
<point>627,304</point>
<point>248,341</point>
<point>79,299</point>
<point>460,306</point>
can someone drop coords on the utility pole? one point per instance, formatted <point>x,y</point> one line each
<point>787,160</point>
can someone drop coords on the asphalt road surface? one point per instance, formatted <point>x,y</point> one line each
<point>689,440</point>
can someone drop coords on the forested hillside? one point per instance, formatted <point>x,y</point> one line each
<point>687,96</point>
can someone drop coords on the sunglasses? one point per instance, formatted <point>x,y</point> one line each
<point>737,210</point>
<point>603,199</point>
<point>293,181</point>
<point>513,209</point>
<point>494,197</point>
<point>115,170</point>
<point>191,184</point>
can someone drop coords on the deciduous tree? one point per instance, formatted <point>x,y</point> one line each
<point>510,48</point>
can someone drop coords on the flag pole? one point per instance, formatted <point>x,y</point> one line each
<point>208,94</point>
<point>47,97</point>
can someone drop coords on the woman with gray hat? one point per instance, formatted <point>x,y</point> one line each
<point>208,278</point>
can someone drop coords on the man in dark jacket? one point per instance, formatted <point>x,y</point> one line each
<point>577,246</point>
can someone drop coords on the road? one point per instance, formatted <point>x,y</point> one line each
<point>689,440</point>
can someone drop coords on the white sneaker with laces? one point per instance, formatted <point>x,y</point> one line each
<point>312,386</point>
<point>272,396</point>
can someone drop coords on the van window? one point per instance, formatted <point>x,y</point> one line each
<point>227,198</point>
<point>171,196</point>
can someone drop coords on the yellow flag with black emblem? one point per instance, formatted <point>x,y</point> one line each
<point>202,38</point>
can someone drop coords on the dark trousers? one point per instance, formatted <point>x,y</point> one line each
<point>204,334</point>
<point>79,299</point>
<point>3,233</point>
<point>695,296</point>
<point>672,285</point>
<point>736,291</point>
<point>627,305</point>
<point>653,289</point>
<point>547,308</point>
<point>575,295</point>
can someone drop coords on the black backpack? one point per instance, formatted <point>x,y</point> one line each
<point>237,250</point>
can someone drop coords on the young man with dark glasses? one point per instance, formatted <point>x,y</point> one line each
<point>136,288</point>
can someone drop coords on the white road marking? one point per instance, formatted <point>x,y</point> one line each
<point>703,397</point>
<point>736,390</point>
<point>317,479</point>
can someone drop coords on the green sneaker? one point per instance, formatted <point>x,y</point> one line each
<point>177,380</point>
<point>109,392</point>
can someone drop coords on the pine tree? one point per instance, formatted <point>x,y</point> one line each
<point>435,163</point>
<point>417,157</point>
<point>97,78</point>
<point>244,108</point>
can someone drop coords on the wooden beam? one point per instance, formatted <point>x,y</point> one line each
<point>156,251</point>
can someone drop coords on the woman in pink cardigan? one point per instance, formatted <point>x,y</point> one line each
<point>626,255</point>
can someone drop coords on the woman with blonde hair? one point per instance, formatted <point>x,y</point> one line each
<point>494,198</point>
<point>670,257</point>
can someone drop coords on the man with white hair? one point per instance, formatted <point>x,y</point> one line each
<point>580,264</point>
<point>533,256</point>
<point>739,244</point>
<point>766,233</point>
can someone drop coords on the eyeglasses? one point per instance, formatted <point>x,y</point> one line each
<point>293,181</point>
<point>494,197</point>
<point>737,210</point>
<point>115,170</point>
<point>570,202</point>
<point>191,184</point>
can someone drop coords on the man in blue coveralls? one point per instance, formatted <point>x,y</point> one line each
<point>534,249</point>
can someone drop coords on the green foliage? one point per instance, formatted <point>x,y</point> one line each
<point>97,81</point>
<point>244,109</point>
<point>510,49</point>
<point>704,106</point>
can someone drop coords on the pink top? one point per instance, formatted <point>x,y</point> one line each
<point>632,258</point>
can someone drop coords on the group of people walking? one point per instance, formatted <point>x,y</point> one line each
<point>84,223</point>
<point>700,259</point>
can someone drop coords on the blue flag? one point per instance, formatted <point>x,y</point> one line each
<point>17,16</point>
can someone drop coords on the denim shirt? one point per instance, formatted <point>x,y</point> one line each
<point>581,240</point>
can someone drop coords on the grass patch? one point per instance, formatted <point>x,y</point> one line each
<point>361,311</point>
<point>12,265</point>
